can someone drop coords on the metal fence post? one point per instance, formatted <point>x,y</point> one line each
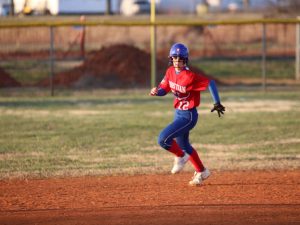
<point>12,8</point>
<point>297,66</point>
<point>51,58</point>
<point>108,7</point>
<point>153,44</point>
<point>264,50</point>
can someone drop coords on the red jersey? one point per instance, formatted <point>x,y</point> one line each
<point>185,86</point>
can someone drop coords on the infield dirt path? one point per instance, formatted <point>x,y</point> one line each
<point>240,197</point>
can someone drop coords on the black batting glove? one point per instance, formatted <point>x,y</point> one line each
<point>219,108</point>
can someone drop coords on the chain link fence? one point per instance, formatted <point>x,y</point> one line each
<point>233,54</point>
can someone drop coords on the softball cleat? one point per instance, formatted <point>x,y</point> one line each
<point>179,163</point>
<point>199,177</point>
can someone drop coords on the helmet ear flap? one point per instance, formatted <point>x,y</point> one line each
<point>170,63</point>
<point>186,60</point>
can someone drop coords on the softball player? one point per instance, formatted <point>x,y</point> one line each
<point>186,87</point>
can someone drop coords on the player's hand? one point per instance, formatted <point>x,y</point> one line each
<point>219,108</point>
<point>153,91</point>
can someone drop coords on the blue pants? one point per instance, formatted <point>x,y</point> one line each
<point>179,129</point>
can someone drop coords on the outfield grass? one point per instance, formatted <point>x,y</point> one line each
<point>113,132</point>
<point>30,72</point>
<point>251,68</point>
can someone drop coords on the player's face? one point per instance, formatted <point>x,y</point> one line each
<point>178,62</point>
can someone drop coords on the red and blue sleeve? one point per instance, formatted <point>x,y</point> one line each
<point>199,83</point>
<point>161,92</point>
<point>214,91</point>
<point>163,87</point>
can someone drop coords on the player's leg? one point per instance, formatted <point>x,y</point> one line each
<point>199,177</point>
<point>201,173</point>
<point>166,138</point>
<point>184,143</point>
<point>183,122</point>
<point>180,126</point>
<point>167,141</point>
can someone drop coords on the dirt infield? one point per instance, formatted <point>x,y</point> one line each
<point>240,197</point>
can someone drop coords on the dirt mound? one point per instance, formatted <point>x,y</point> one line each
<point>6,80</point>
<point>118,66</point>
<point>110,67</point>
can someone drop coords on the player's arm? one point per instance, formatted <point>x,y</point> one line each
<point>158,91</point>
<point>162,89</point>
<point>215,95</point>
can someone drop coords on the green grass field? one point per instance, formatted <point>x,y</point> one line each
<point>220,68</point>
<point>30,72</point>
<point>114,132</point>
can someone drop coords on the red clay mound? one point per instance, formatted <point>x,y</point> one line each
<point>118,66</point>
<point>6,80</point>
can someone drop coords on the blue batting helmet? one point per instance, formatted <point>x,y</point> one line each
<point>179,50</point>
